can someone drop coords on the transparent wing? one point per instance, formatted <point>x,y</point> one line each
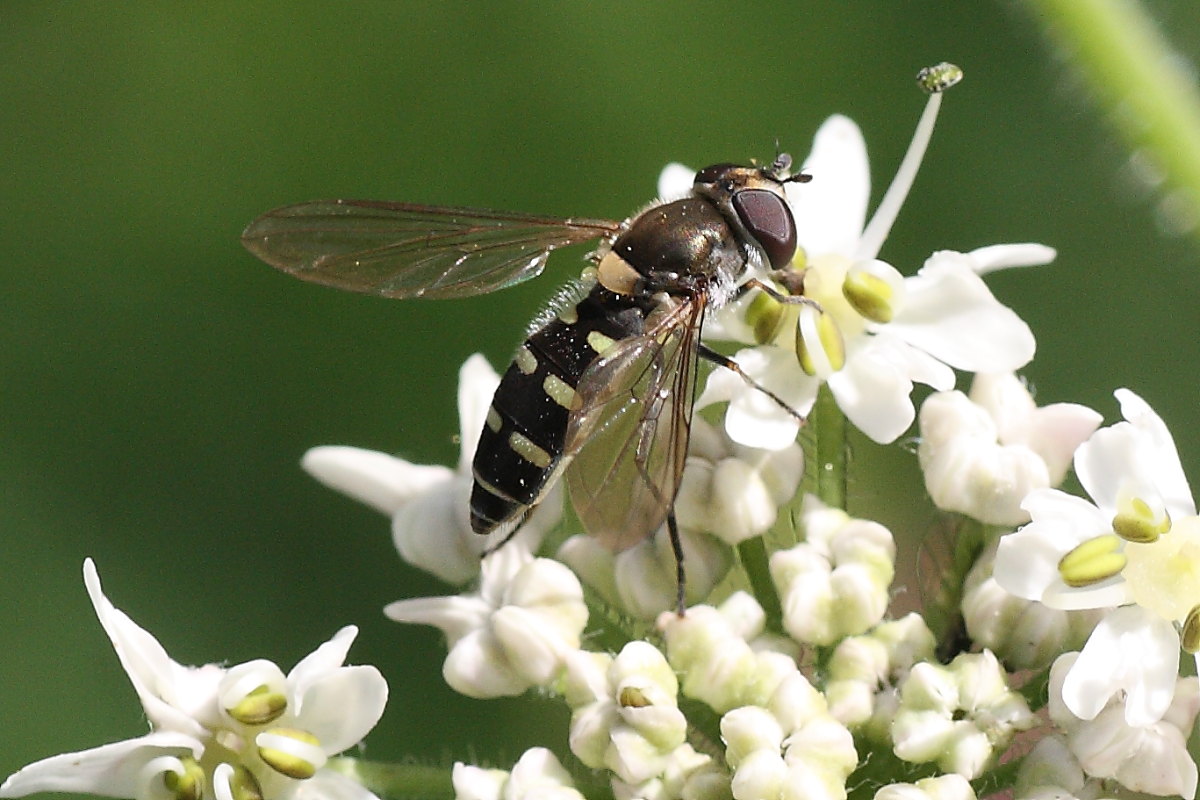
<point>629,438</point>
<point>405,250</point>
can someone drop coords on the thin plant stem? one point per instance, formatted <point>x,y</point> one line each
<point>829,451</point>
<point>397,780</point>
<point>1151,97</point>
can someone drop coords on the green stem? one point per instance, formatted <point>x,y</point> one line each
<point>755,562</point>
<point>1152,100</point>
<point>397,780</point>
<point>829,450</point>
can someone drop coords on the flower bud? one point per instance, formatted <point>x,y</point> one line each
<point>941,787</point>
<point>1024,634</point>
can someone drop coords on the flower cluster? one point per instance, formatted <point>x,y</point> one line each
<point>793,673</point>
<point>236,733</point>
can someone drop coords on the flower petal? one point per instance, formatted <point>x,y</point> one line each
<point>477,383</point>
<point>111,770</point>
<point>753,419</point>
<point>675,181</point>
<point>1130,650</point>
<point>1027,560</point>
<point>384,482</point>
<point>873,391</point>
<point>328,656</point>
<point>1163,459</point>
<point>330,785</point>
<point>456,616</point>
<point>952,315</point>
<point>173,696</point>
<point>433,532</point>
<point>343,706</point>
<point>831,211</point>
<point>477,667</point>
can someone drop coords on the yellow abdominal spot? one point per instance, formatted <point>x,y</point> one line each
<point>529,451</point>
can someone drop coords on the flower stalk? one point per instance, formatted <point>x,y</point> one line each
<point>830,451</point>
<point>1151,97</point>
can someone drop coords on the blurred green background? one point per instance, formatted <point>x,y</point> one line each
<point>159,385</point>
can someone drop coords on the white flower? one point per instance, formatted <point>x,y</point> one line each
<point>982,455</point>
<point>733,491</point>
<point>792,748</point>
<point>1024,634</point>
<point>1151,757</point>
<point>1051,772</point>
<point>876,333</point>
<point>217,730</point>
<point>625,717</point>
<point>510,634</point>
<point>865,671</point>
<point>642,579</point>
<point>685,774</point>
<point>537,775</point>
<point>960,716</point>
<point>941,787</point>
<point>429,504</point>
<point>835,583</point>
<point>718,666</point>
<point>1137,545</point>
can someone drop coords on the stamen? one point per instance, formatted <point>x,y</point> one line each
<point>819,345</point>
<point>235,783</point>
<point>1136,521</point>
<point>869,295</point>
<point>1093,561</point>
<point>291,752</point>
<point>183,778</point>
<point>259,706</point>
<point>764,315</point>
<point>1189,634</point>
<point>889,208</point>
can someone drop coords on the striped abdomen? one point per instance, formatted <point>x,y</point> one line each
<point>522,440</point>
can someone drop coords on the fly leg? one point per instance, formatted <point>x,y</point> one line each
<point>648,428</point>
<point>708,354</point>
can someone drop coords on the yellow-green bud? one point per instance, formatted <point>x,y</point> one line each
<point>243,785</point>
<point>1093,561</point>
<point>829,338</point>
<point>1189,636</point>
<point>287,763</point>
<point>1136,522</point>
<point>188,785</point>
<point>259,707</point>
<point>869,295</point>
<point>632,697</point>
<point>764,316</point>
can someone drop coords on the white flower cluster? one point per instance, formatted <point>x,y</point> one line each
<point>239,733</point>
<point>785,679</point>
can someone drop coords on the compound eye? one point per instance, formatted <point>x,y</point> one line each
<point>769,220</point>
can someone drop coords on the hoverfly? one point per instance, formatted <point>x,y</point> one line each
<point>603,390</point>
